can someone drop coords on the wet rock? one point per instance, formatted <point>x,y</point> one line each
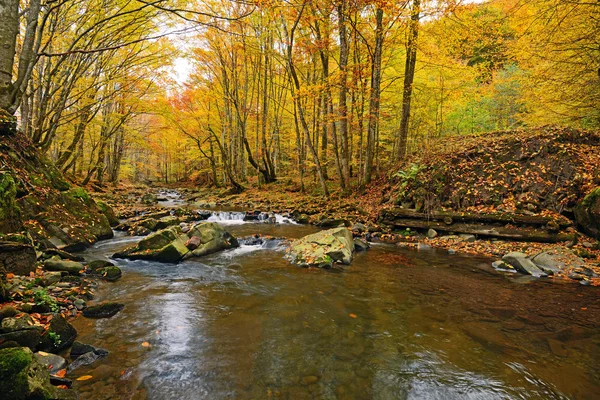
<point>72,267</point>
<point>503,266</point>
<point>166,222</point>
<point>488,336</point>
<point>423,246</point>
<point>167,245</point>
<point>522,264</point>
<point>18,258</point>
<point>213,238</point>
<point>554,261</point>
<point>23,377</point>
<point>587,213</point>
<point>52,362</point>
<point>61,334</point>
<point>252,216</point>
<point>108,212</point>
<point>361,244</point>
<point>95,264</point>
<point>431,233</point>
<point>323,249</point>
<point>84,359</point>
<point>103,310</point>
<point>80,349</point>
<point>13,324</point>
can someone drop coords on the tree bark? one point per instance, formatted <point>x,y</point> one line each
<point>409,75</point>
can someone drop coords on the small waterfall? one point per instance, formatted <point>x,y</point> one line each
<point>238,217</point>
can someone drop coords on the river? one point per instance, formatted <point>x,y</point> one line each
<point>396,324</point>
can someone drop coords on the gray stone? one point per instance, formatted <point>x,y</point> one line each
<point>431,233</point>
<point>523,264</point>
<point>467,237</point>
<point>554,261</point>
<point>503,266</point>
<point>52,362</point>
<point>103,310</point>
<point>212,238</point>
<point>72,267</point>
<point>361,244</point>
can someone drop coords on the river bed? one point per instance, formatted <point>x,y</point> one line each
<point>396,324</point>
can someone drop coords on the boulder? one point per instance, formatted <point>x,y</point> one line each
<point>96,264</point>
<point>523,264</point>
<point>103,310</point>
<point>52,362</point>
<point>361,244</point>
<point>84,359</point>
<point>167,245</point>
<point>166,222</point>
<point>212,238</point>
<point>323,249</point>
<point>331,222</point>
<point>72,267</point>
<point>21,330</point>
<point>431,233</point>
<point>556,260</point>
<point>18,258</point>
<point>80,349</point>
<point>23,377</point>
<point>149,198</point>
<point>110,274</point>
<point>63,254</point>
<point>108,212</point>
<point>60,335</point>
<point>587,213</point>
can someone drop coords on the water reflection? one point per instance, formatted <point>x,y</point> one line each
<point>397,324</point>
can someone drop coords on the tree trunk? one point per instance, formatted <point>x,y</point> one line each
<point>409,75</point>
<point>374,101</point>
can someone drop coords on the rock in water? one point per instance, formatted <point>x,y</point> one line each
<point>53,362</point>
<point>523,264</point>
<point>587,213</point>
<point>23,377</point>
<point>167,245</point>
<point>103,310</point>
<point>553,261</point>
<point>63,334</point>
<point>323,249</point>
<point>209,237</point>
<point>80,349</point>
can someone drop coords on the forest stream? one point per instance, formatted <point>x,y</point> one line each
<point>396,324</point>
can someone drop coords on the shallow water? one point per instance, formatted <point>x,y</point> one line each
<point>396,324</point>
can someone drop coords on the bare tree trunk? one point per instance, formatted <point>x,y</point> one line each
<point>409,75</point>
<point>374,102</point>
<point>342,106</point>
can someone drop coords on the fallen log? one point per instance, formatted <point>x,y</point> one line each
<point>450,217</point>
<point>485,230</point>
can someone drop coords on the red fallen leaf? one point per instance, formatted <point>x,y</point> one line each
<point>62,387</point>
<point>61,373</point>
<point>10,275</point>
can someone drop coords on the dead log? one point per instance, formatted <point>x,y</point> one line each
<point>485,230</point>
<point>450,217</point>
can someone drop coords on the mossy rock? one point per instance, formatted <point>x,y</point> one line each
<point>22,377</point>
<point>10,214</point>
<point>110,274</point>
<point>167,245</point>
<point>212,238</point>
<point>323,249</point>
<point>587,213</point>
<point>108,212</point>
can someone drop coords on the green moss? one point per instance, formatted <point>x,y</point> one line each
<point>8,194</point>
<point>14,366</point>
<point>79,193</point>
<point>591,198</point>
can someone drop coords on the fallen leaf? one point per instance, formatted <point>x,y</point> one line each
<point>353,315</point>
<point>10,275</point>
<point>84,377</point>
<point>61,373</point>
<point>42,353</point>
<point>146,344</point>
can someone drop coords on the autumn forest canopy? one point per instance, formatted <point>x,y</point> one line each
<point>326,95</point>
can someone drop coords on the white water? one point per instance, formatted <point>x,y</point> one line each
<point>237,218</point>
